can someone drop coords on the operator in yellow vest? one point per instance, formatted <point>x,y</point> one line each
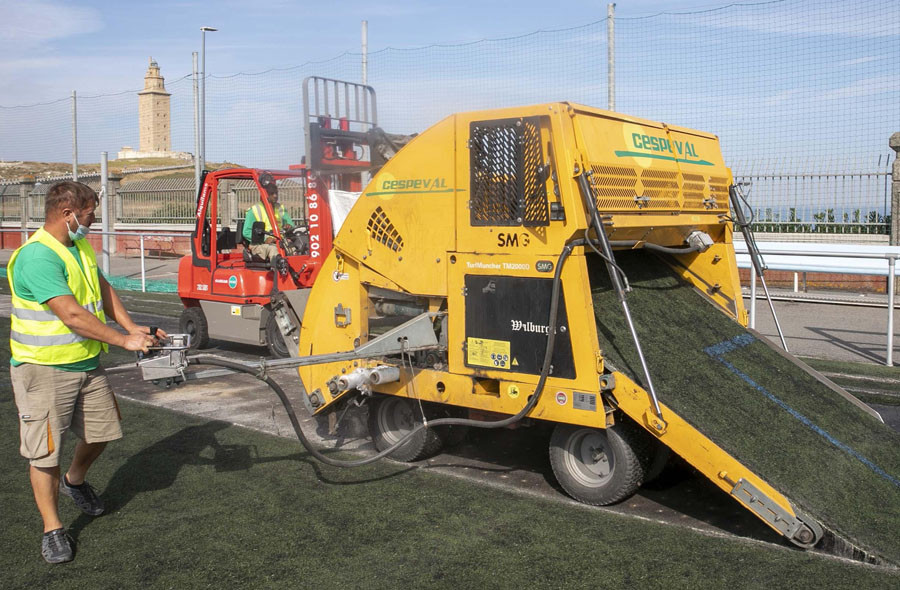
<point>60,303</point>
<point>267,250</point>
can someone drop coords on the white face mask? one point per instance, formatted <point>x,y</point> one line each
<point>79,233</point>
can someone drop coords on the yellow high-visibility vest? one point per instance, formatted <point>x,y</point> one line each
<point>259,213</point>
<point>36,334</point>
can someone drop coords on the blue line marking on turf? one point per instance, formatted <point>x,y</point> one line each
<point>718,350</point>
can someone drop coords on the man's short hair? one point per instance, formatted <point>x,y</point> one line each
<point>68,193</point>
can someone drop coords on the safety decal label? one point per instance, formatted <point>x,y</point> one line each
<point>561,398</point>
<point>487,353</point>
<point>513,391</point>
<point>235,310</point>
<point>584,401</point>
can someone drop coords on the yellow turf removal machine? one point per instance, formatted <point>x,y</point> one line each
<point>571,265</point>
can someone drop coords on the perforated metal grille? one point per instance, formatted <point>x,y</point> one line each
<point>694,189</point>
<point>614,186</point>
<point>382,230</point>
<point>718,190</point>
<point>632,189</point>
<point>507,183</point>
<point>662,188</point>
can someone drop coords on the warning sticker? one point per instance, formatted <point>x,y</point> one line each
<point>513,391</point>
<point>561,398</point>
<point>235,310</point>
<point>487,353</point>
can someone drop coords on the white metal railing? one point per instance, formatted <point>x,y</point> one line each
<point>828,258</point>
<point>142,236</point>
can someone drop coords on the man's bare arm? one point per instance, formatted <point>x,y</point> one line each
<point>86,324</point>
<point>115,310</point>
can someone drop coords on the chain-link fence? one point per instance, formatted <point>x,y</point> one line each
<point>804,95</point>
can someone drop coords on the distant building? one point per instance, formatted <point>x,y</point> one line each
<point>153,120</point>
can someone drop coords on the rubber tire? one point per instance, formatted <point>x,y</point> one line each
<point>592,483</point>
<point>274,339</point>
<point>193,322</point>
<point>390,418</point>
<point>658,461</point>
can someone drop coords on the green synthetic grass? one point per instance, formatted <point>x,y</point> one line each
<point>199,504</point>
<point>729,398</point>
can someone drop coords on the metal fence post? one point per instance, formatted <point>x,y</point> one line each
<point>26,186</point>
<point>143,267</point>
<point>74,137</point>
<point>890,324</point>
<point>365,52</point>
<point>104,210</point>
<point>894,142</point>
<point>197,164</point>
<point>114,208</point>
<point>611,56</point>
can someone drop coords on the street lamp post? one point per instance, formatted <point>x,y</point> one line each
<point>203,95</point>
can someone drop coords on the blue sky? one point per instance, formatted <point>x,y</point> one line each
<point>51,47</point>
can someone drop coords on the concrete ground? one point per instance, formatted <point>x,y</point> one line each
<point>510,459</point>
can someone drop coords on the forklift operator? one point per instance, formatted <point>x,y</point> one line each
<point>267,249</point>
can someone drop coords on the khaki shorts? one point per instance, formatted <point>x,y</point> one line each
<point>52,401</point>
<point>264,251</point>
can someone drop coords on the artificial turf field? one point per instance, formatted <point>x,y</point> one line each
<point>198,504</point>
<point>827,456</point>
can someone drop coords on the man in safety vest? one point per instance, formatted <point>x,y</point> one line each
<point>267,250</point>
<point>60,303</point>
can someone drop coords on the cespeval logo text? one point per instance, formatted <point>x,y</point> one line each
<point>415,183</point>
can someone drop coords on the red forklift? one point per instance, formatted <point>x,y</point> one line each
<point>228,293</point>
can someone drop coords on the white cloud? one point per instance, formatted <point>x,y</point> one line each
<point>33,22</point>
<point>864,87</point>
<point>861,60</point>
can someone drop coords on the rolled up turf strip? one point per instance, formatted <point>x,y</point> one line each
<point>767,409</point>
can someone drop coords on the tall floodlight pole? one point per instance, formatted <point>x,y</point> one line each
<point>197,166</point>
<point>611,54</point>
<point>74,137</point>
<point>365,52</point>
<point>203,94</point>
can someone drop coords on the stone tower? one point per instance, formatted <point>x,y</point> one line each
<point>153,112</point>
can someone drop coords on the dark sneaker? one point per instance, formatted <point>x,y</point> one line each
<point>84,496</point>
<point>57,547</point>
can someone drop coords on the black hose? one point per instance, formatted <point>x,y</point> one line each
<point>532,401</point>
<point>286,402</point>
<point>654,247</point>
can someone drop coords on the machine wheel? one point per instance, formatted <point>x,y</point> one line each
<point>658,462</point>
<point>193,322</point>
<point>391,418</point>
<point>594,466</point>
<point>274,339</point>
